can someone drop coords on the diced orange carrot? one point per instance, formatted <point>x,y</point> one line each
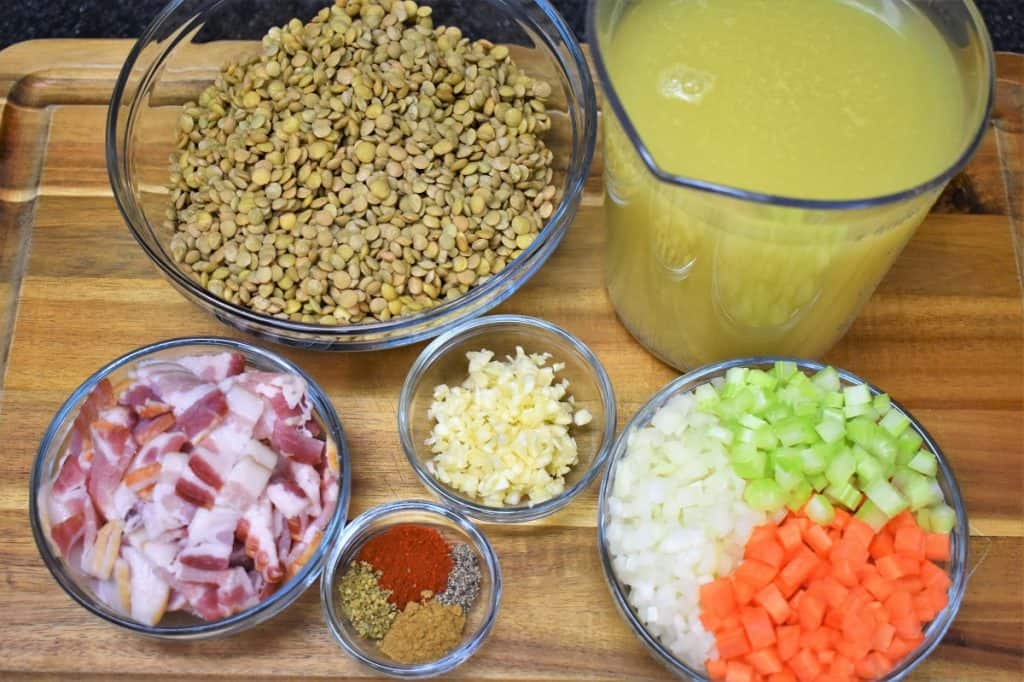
<point>786,675</point>
<point>910,541</point>
<point>854,649</point>
<point>881,545</point>
<point>840,519</point>
<point>763,533</point>
<point>873,666</point>
<point>766,551</point>
<point>773,602</point>
<point>716,668</point>
<point>854,626</point>
<point>843,571</point>
<point>901,520</point>
<point>717,597</point>
<point>738,671</point>
<point>788,640</point>
<point>937,546</point>
<point>928,603</point>
<point>818,540</point>
<point>851,550</point>
<point>805,666</point>
<point>910,583</point>
<point>908,565</point>
<point>875,613</point>
<point>840,668</point>
<point>933,576</point>
<point>907,624</point>
<point>765,661</point>
<point>889,568</point>
<point>818,640</point>
<point>758,626</point>
<point>835,591</point>
<point>742,591</point>
<point>834,619</point>
<point>790,536</point>
<point>732,643</point>
<point>879,587</point>
<point>710,621</point>
<point>825,656</point>
<point>900,647</point>
<point>823,570</point>
<point>898,603</point>
<point>811,611</point>
<point>859,532</point>
<point>881,638</point>
<point>755,573</point>
<point>800,566</point>
<point>857,598</point>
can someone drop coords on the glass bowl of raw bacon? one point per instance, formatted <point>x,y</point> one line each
<point>191,488</point>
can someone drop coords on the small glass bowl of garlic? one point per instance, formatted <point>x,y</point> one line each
<point>507,418</point>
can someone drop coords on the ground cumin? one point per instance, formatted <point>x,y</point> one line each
<point>424,632</point>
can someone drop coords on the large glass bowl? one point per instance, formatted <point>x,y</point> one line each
<point>181,53</point>
<point>444,362</point>
<point>454,527</point>
<point>177,626</point>
<point>959,537</point>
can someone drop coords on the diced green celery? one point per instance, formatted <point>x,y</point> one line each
<point>865,410</point>
<point>885,497</point>
<point>784,369</point>
<point>833,400</point>
<point>789,458</point>
<point>909,441</point>
<point>901,475</point>
<point>799,496</point>
<point>831,430</point>
<point>858,394</point>
<point>924,462</point>
<point>812,461</point>
<point>736,375</point>
<point>765,438</point>
<point>844,494</point>
<point>807,409</point>
<point>841,468</point>
<point>827,380</point>
<point>883,446</point>
<point>795,430</point>
<point>762,379</point>
<point>818,482</point>
<point>777,412</point>
<point>918,491</point>
<point>751,422</point>
<point>861,431</point>
<point>748,462</point>
<point>744,435</point>
<point>760,399</point>
<point>820,510</point>
<point>720,433</point>
<point>829,450</point>
<point>942,519</point>
<point>924,519</point>
<point>787,478</point>
<point>764,494</point>
<point>706,395</point>
<point>833,413</point>
<point>895,422</point>
<point>870,514</point>
<point>869,469</point>
<point>881,403</point>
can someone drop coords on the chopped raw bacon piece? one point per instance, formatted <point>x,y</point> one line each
<point>68,532</point>
<point>149,593</point>
<point>204,414</point>
<point>149,428</point>
<point>214,367</point>
<point>100,399</point>
<point>259,540</point>
<point>211,535</point>
<point>288,497</point>
<point>144,401</point>
<point>236,592</point>
<point>191,489</point>
<point>295,442</point>
<point>307,479</point>
<point>245,484</point>
<point>114,449</point>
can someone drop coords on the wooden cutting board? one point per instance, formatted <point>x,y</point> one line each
<point>943,334</point>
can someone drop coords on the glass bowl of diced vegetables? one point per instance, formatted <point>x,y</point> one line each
<point>191,488</point>
<point>507,418</point>
<point>773,516</point>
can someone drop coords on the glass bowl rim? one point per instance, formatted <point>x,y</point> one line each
<point>618,109</point>
<point>266,608</point>
<point>580,159</point>
<point>439,348</point>
<point>457,656</point>
<point>959,558</point>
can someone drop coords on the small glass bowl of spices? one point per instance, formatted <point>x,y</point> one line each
<point>507,418</point>
<point>411,589</point>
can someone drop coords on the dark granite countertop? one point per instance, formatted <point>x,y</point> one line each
<point>28,19</point>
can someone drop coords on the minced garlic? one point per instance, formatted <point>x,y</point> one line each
<point>502,437</point>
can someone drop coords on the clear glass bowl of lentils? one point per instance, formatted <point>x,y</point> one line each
<point>351,174</point>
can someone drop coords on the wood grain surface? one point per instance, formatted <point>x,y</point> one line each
<point>944,334</point>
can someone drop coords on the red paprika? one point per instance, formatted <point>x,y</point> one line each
<point>411,559</point>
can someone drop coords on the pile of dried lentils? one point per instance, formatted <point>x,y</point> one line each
<point>366,165</point>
